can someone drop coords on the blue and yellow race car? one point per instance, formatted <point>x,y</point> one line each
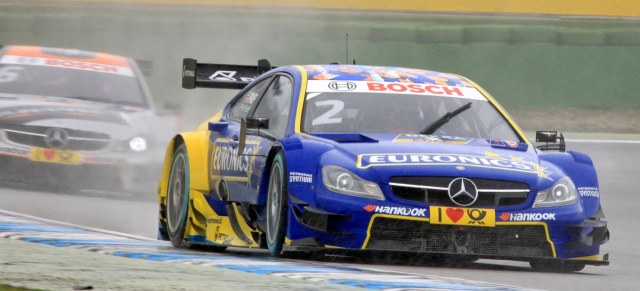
<point>353,157</point>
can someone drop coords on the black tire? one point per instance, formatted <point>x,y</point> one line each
<point>178,197</point>
<point>277,206</point>
<point>559,267</point>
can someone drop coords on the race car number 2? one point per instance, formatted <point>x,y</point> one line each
<point>463,216</point>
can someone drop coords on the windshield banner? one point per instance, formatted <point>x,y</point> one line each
<point>320,86</point>
<point>70,64</point>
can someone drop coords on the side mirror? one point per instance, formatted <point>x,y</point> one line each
<point>252,123</point>
<point>550,137</point>
<point>258,123</point>
<point>546,136</point>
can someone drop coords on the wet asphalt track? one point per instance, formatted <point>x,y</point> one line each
<point>617,165</point>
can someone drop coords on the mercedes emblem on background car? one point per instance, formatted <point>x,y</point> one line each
<point>56,138</point>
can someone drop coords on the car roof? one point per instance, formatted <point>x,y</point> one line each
<point>67,54</point>
<point>383,74</point>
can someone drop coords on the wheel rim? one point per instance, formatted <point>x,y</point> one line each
<point>273,208</point>
<point>177,193</point>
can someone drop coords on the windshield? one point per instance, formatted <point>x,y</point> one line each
<point>121,87</point>
<point>359,112</point>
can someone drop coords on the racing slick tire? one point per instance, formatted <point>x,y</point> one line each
<point>561,267</point>
<point>277,206</point>
<point>178,197</point>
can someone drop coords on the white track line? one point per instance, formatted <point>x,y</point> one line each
<point>126,235</point>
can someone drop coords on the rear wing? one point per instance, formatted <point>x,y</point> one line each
<point>220,76</point>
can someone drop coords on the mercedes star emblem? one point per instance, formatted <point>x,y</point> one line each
<point>463,191</point>
<point>56,138</point>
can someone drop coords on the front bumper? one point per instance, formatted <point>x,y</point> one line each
<point>331,227</point>
<point>99,171</point>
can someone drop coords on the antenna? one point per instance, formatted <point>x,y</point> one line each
<point>347,60</point>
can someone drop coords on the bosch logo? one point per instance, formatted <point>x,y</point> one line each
<point>56,138</point>
<point>463,191</point>
<point>342,86</point>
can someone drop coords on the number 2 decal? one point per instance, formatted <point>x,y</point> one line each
<point>328,117</point>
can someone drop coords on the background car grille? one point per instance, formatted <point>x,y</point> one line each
<point>506,240</point>
<point>434,191</point>
<point>34,136</point>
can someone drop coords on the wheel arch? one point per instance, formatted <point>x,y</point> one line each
<point>196,143</point>
<point>264,182</point>
<point>579,167</point>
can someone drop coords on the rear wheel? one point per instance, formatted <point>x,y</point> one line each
<point>277,205</point>
<point>178,197</point>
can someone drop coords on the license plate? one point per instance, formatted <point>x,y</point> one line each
<point>55,156</point>
<point>462,216</point>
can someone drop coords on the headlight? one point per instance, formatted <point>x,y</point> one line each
<point>562,193</point>
<point>340,180</point>
<point>138,144</point>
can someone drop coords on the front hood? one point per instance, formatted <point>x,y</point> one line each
<point>389,155</point>
<point>115,120</point>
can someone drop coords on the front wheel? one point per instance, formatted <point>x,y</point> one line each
<point>277,205</point>
<point>178,197</point>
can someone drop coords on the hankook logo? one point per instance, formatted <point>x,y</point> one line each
<point>463,191</point>
<point>342,86</point>
<point>56,138</point>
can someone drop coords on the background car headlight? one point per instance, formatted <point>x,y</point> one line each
<point>341,180</point>
<point>138,144</point>
<point>562,193</point>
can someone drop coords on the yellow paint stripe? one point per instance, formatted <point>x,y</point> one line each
<point>590,258</point>
<point>580,7</point>
<point>303,93</point>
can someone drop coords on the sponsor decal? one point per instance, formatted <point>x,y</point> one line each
<point>228,76</point>
<point>327,85</point>
<point>342,86</point>
<point>489,160</point>
<point>589,191</point>
<point>431,138</point>
<point>214,220</point>
<point>188,73</point>
<point>508,144</point>
<point>394,210</point>
<point>250,97</point>
<point>507,216</point>
<point>55,156</point>
<point>295,177</point>
<point>14,151</point>
<point>462,216</point>
<point>219,236</point>
<point>225,161</point>
<point>324,74</point>
<point>70,64</point>
<point>38,110</point>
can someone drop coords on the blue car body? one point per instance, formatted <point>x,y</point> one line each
<point>484,193</point>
